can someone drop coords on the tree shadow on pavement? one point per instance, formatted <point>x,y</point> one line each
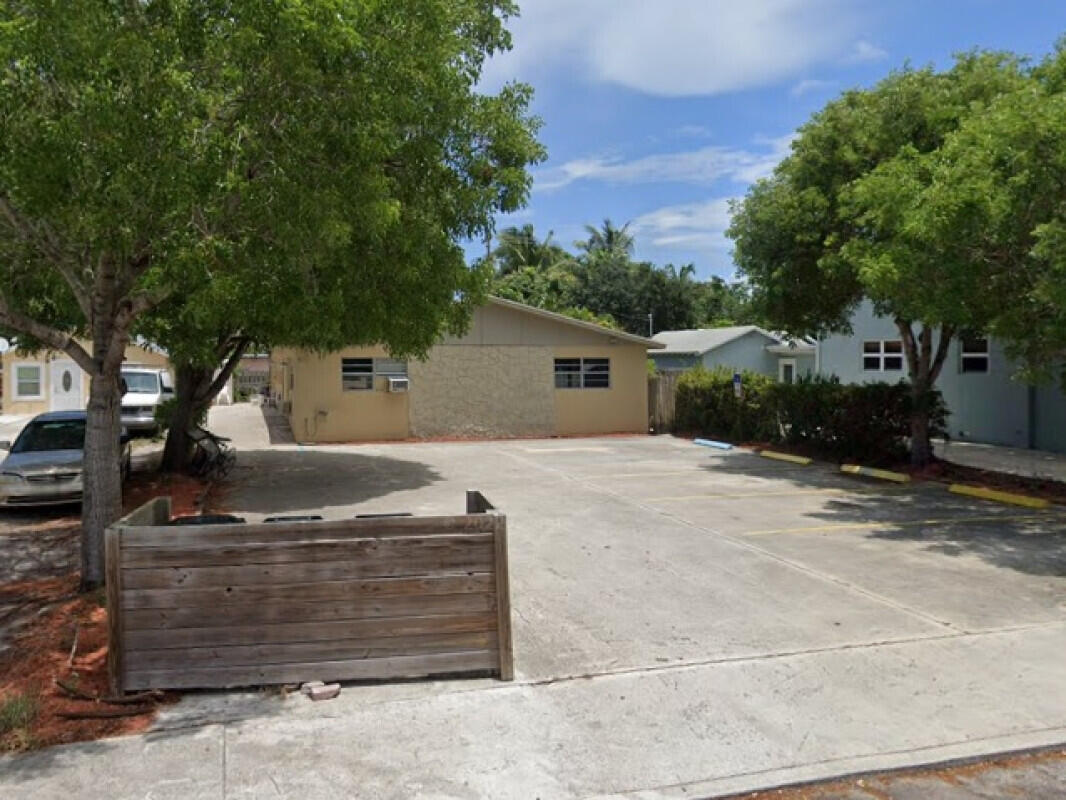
<point>1029,541</point>
<point>312,481</point>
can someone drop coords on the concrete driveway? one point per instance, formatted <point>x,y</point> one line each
<point>687,623</point>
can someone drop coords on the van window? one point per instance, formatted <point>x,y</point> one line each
<point>141,382</point>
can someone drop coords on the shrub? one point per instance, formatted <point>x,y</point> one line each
<point>706,403</point>
<point>821,416</point>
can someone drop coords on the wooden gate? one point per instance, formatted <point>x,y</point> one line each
<point>238,605</point>
<point>662,397</point>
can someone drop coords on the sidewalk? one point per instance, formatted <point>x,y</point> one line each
<point>1013,461</point>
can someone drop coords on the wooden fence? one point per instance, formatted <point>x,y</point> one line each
<point>218,606</point>
<point>662,399</point>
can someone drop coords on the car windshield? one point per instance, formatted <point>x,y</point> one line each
<point>141,382</point>
<point>58,435</point>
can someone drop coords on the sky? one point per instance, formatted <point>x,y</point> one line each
<point>657,113</point>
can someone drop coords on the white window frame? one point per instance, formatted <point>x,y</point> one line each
<point>882,354</point>
<point>977,356</point>
<point>781,363</point>
<point>349,371</point>
<point>15,380</point>
<point>586,366</point>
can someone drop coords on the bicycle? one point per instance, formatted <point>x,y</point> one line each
<point>213,458</point>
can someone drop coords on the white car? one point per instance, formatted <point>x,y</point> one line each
<point>146,389</point>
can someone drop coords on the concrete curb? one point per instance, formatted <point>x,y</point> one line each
<point>870,472</point>
<point>785,457</point>
<point>998,496</point>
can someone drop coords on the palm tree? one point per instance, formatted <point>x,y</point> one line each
<point>608,239</point>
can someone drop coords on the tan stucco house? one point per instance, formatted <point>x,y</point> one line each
<point>519,371</point>
<point>49,380</point>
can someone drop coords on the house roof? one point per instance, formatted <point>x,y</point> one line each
<point>702,340</point>
<point>577,323</point>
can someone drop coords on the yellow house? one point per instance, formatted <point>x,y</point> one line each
<point>519,371</point>
<point>50,380</point>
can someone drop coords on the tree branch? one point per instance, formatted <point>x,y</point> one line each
<point>44,239</point>
<point>50,336</point>
<point>910,348</point>
<point>947,333</point>
<point>240,345</point>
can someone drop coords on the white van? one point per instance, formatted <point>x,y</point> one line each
<point>146,389</point>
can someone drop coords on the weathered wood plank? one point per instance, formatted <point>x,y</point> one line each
<point>155,512</point>
<point>288,652</point>
<point>306,631</point>
<point>269,613</point>
<point>503,600</point>
<point>215,596</point>
<point>268,574</point>
<point>362,669</point>
<point>113,588</point>
<point>379,550</point>
<point>266,533</point>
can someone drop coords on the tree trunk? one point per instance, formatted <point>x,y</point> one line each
<point>190,385</point>
<point>921,445</point>
<point>101,475</point>
<point>195,389</point>
<point>924,363</point>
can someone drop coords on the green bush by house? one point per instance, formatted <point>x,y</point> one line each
<point>820,416</point>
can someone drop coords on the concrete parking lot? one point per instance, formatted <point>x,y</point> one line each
<point>687,622</point>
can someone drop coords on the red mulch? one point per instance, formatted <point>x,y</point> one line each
<point>41,654</point>
<point>40,651</point>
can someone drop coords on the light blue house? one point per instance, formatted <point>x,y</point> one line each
<point>740,348</point>
<point>985,403</point>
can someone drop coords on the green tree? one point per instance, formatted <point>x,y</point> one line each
<point>990,205</point>
<point>826,230</point>
<point>331,149</point>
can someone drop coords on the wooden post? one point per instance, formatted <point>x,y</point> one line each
<point>503,599</point>
<point>113,577</point>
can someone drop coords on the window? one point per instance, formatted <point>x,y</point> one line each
<point>882,355</point>
<point>357,374</point>
<point>389,366</point>
<point>974,354</point>
<point>28,382</point>
<point>582,373</point>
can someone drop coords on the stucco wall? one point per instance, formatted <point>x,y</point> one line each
<point>323,412</point>
<point>44,358</point>
<point>483,391</point>
<point>667,362</point>
<point>984,407</point>
<point>745,353</point>
<point>623,408</point>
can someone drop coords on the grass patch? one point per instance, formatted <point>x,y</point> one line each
<point>18,712</point>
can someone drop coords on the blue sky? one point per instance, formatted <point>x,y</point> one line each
<point>657,112</point>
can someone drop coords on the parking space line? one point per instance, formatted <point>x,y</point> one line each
<point>787,493</point>
<point>843,526</point>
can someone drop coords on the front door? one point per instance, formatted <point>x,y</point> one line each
<point>786,370</point>
<point>66,387</point>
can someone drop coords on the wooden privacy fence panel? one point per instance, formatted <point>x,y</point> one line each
<point>662,400</point>
<point>217,606</point>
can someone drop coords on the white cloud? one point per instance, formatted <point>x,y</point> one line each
<point>676,47</point>
<point>692,132</point>
<point>809,85</point>
<point>865,53</point>
<point>704,166</point>
<point>699,226</point>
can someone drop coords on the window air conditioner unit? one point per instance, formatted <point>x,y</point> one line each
<point>398,383</point>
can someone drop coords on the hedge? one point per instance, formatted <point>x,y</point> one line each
<point>819,416</point>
